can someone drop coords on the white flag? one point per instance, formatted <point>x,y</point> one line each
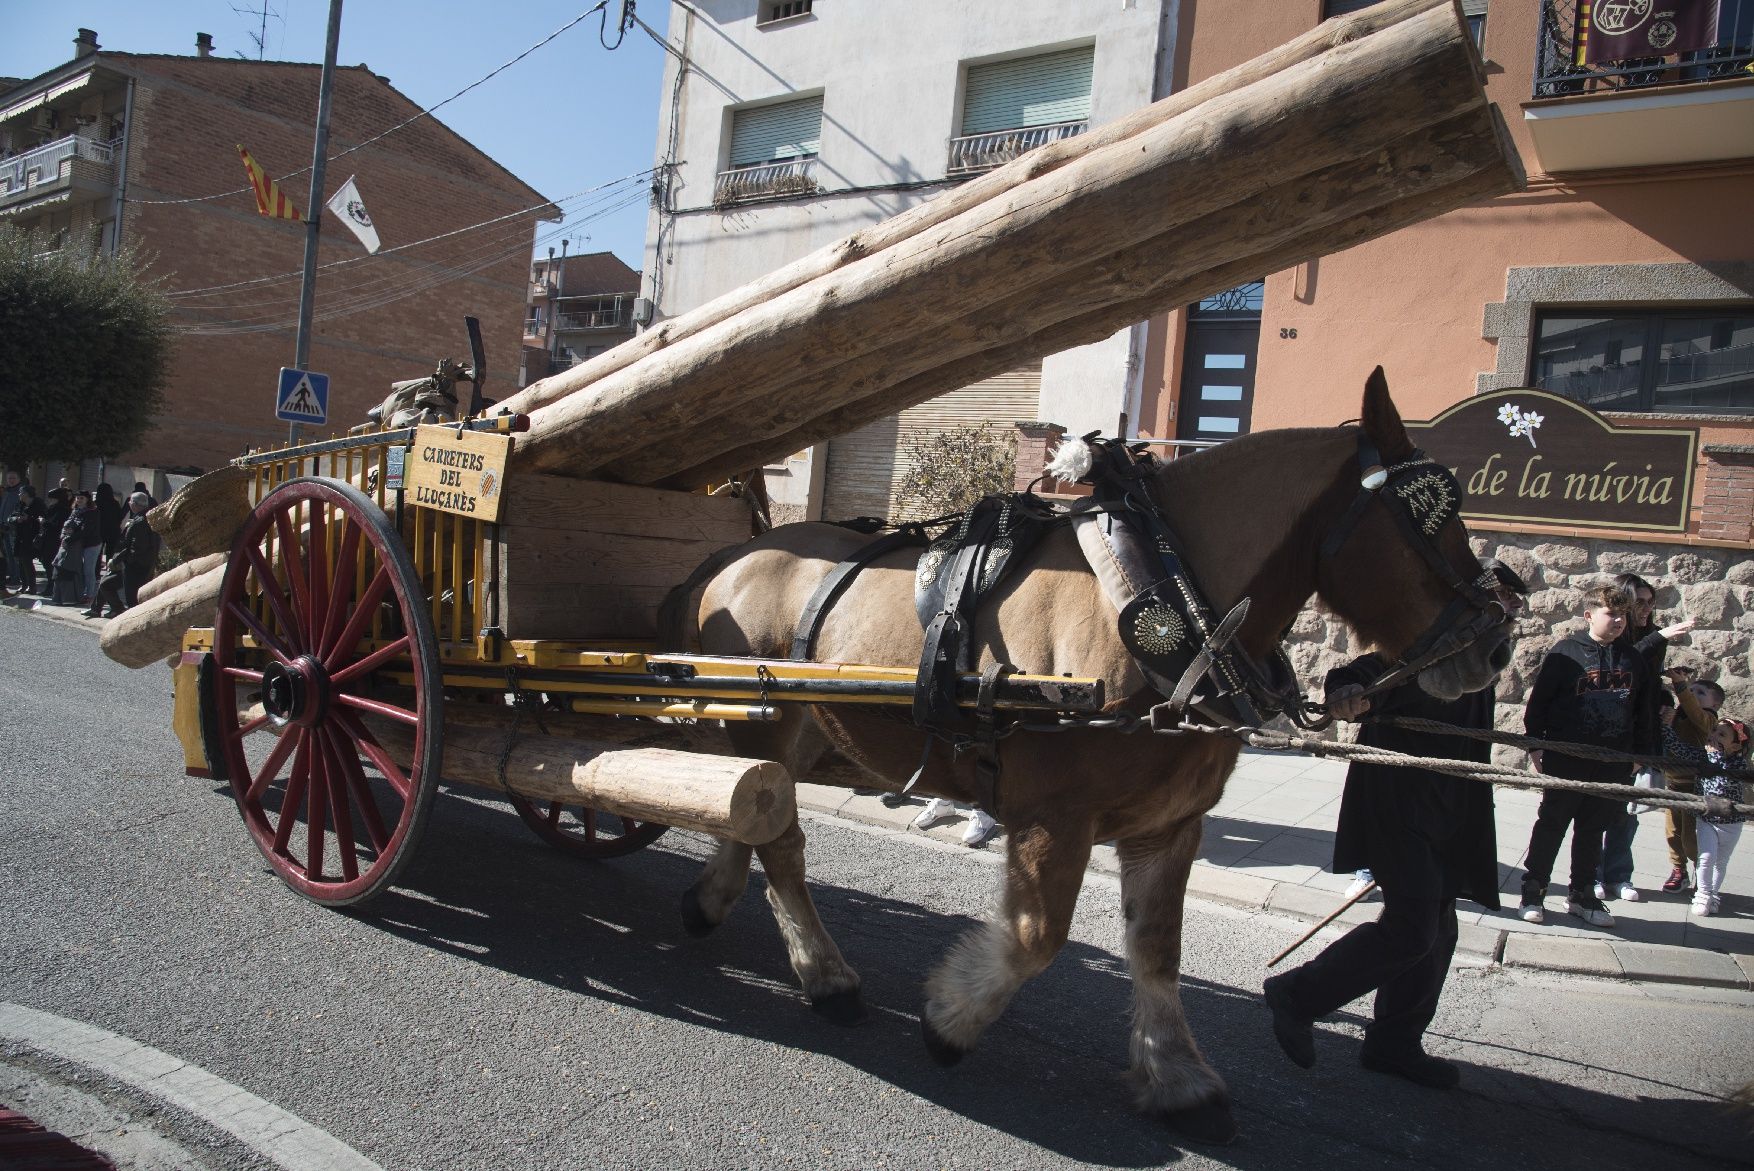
<point>347,204</point>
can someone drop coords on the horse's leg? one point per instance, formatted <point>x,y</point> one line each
<point>788,741</point>
<point>1170,1076</point>
<point>1044,871</point>
<point>830,983</point>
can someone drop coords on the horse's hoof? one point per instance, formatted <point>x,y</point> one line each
<point>1208,1122</point>
<point>939,1046</point>
<point>842,1008</point>
<point>694,920</point>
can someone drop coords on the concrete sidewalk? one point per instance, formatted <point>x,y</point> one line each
<point>1268,843</point>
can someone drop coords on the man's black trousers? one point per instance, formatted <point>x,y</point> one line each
<point>1589,818</point>
<point>1404,955</point>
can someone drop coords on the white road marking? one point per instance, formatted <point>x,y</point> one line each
<point>284,1139</point>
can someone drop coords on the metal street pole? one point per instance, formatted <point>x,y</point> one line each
<point>307,294</point>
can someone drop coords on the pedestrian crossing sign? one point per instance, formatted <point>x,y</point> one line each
<point>303,396</point>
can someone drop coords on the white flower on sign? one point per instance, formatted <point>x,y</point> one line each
<point>1520,424</point>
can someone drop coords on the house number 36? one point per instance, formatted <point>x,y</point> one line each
<point>1288,334</point>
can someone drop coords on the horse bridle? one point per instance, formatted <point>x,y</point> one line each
<point>1422,496</point>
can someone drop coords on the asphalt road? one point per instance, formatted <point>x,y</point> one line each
<point>507,1007</point>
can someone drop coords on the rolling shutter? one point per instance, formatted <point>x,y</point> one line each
<point>865,467</point>
<point>1028,91</point>
<point>766,134</point>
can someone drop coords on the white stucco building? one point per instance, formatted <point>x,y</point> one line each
<point>787,124</point>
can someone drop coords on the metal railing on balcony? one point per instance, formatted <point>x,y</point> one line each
<point>49,163</point>
<point>616,318</point>
<point>1559,65</point>
<point>767,181</point>
<point>974,153</point>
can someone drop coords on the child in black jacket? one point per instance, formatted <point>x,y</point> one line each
<point>1591,689</point>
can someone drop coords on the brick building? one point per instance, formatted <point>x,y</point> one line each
<point>116,149</point>
<point>579,307</point>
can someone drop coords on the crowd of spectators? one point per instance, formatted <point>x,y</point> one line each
<point>74,547</point>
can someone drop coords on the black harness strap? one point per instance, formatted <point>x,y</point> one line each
<point>986,737</point>
<point>947,634</point>
<point>830,588</point>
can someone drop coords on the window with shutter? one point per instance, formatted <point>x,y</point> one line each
<point>771,134</point>
<point>1043,90</point>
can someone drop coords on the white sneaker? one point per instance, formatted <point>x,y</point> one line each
<point>1629,894</point>
<point>980,829</point>
<point>1358,887</point>
<point>1601,891</point>
<point>937,810</point>
<point>1532,913</point>
<point>1702,907</point>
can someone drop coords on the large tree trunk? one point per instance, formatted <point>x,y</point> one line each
<point>1335,115</point>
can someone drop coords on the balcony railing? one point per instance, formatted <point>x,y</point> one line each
<point>616,318</point>
<point>768,181</point>
<point>974,153</point>
<point>1559,71</point>
<point>49,165</point>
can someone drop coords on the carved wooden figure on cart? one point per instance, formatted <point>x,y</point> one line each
<point>1273,517</point>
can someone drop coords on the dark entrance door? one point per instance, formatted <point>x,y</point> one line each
<point>1218,364</point>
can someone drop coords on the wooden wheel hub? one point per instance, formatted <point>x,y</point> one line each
<point>296,692</point>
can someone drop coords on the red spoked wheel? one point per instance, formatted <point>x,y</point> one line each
<point>320,595</point>
<point>586,832</point>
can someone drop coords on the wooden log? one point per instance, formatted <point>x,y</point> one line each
<point>1080,330</point>
<point>178,574</point>
<point>751,801</point>
<point>1280,226</point>
<point>153,630</point>
<point>869,241</point>
<point>1349,103</point>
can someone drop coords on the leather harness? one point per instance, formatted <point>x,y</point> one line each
<point>1186,651</point>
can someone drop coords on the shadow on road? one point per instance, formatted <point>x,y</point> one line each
<point>1050,1072</point>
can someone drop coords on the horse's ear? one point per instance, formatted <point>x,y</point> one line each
<point>1382,422</point>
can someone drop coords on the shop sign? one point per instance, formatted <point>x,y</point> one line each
<point>1530,456</point>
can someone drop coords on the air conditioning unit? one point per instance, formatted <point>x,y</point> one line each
<point>43,118</point>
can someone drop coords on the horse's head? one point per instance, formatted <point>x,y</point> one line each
<point>1397,566</point>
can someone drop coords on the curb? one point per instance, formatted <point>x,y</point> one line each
<point>1610,959</point>
<point>64,615</point>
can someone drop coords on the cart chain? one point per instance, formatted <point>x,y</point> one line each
<point>522,701</point>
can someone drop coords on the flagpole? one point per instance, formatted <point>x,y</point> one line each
<point>307,294</point>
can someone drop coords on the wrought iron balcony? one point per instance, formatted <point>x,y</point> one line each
<point>768,181</point>
<point>615,318</point>
<point>1560,71</point>
<point>54,166</point>
<point>974,153</point>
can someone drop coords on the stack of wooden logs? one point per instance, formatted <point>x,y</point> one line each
<point>1367,124</point>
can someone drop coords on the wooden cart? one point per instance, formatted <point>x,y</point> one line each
<point>393,594</point>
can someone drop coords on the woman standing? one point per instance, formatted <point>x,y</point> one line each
<point>49,538</point>
<point>27,529</point>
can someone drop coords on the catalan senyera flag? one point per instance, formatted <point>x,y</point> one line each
<point>270,200</point>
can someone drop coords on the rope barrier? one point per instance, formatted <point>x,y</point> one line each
<point>1563,747</point>
<point>1470,770</point>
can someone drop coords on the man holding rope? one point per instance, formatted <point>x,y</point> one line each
<point>1428,839</point>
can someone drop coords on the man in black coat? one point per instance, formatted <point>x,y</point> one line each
<point>1427,839</point>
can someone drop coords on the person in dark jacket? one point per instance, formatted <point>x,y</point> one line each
<point>110,514</point>
<point>78,532</point>
<point>130,567</point>
<point>9,552</point>
<point>49,539</point>
<point>1614,877</point>
<point>1591,689</point>
<point>1427,838</point>
<point>27,529</point>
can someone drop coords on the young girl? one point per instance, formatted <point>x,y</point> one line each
<point>1718,835</point>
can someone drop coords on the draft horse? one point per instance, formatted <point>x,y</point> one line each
<point>1255,516</point>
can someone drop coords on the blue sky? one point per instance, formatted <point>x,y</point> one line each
<point>568,117</point>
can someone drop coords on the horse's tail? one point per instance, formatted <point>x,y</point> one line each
<point>678,620</point>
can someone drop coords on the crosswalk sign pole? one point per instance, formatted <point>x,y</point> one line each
<point>314,206</point>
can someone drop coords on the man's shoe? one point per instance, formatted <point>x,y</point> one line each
<point>1532,913</point>
<point>936,810</point>
<point>1629,893</point>
<point>1601,892</point>
<point>893,800</point>
<point>1677,880</point>
<point>1416,1066</point>
<point>91,613</point>
<point>1294,1032</point>
<point>1589,909</point>
<point>1358,886</point>
<point>980,830</point>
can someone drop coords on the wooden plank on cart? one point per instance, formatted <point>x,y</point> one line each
<point>584,559</point>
